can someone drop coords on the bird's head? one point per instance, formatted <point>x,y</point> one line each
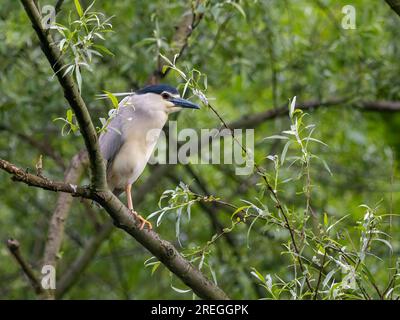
<point>165,98</point>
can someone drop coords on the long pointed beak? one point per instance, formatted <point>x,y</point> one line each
<point>184,103</point>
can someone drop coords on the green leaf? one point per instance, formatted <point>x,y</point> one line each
<point>153,214</point>
<point>159,219</point>
<point>155,267</point>
<point>178,224</point>
<point>103,49</point>
<point>326,167</point>
<point>166,59</point>
<point>385,242</point>
<point>238,7</point>
<point>180,290</point>
<point>78,78</point>
<point>164,69</point>
<point>279,137</point>
<point>325,219</point>
<point>78,8</point>
<point>328,277</point>
<point>69,68</point>
<point>103,121</point>
<point>330,227</point>
<point>284,152</point>
<point>238,210</point>
<point>292,107</point>
<point>74,127</point>
<point>89,7</point>
<point>112,97</point>
<point>248,231</point>
<point>315,140</point>
<point>258,275</point>
<point>321,250</point>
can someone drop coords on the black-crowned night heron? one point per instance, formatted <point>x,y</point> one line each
<point>133,133</point>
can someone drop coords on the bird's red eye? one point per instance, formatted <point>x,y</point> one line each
<point>165,95</point>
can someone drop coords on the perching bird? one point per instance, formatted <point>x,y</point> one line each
<point>130,139</point>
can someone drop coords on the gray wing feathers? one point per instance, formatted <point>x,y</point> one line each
<point>112,140</point>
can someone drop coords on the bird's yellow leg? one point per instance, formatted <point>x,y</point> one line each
<point>142,220</point>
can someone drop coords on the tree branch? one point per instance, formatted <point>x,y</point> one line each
<point>250,121</point>
<point>189,21</point>
<point>380,106</point>
<point>41,182</point>
<point>72,95</point>
<point>395,5</point>
<point>163,250</point>
<point>63,206</point>
<point>99,192</point>
<point>82,262</point>
<point>59,5</point>
<point>45,148</point>
<point>123,219</point>
<point>13,246</point>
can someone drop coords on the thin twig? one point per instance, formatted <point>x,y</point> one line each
<point>35,181</point>
<point>13,246</point>
<point>320,275</point>
<point>273,193</point>
<point>189,21</point>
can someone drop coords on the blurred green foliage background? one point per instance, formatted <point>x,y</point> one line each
<point>256,57</point>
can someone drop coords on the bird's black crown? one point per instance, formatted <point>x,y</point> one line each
<point>158,89</point>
